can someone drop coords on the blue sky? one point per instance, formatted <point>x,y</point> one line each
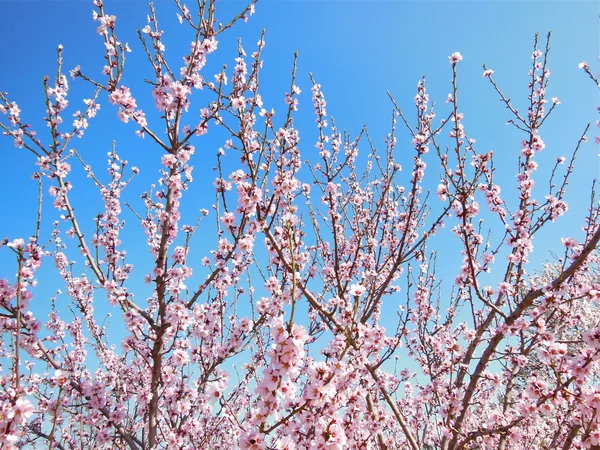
<point>357,50</point>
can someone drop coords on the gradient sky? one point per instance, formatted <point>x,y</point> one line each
<point>357,50</point>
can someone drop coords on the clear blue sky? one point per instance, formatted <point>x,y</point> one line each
<point>356,49</point>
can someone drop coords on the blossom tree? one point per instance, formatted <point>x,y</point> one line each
<point>308,257</point>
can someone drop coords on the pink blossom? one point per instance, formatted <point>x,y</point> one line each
<point>569,242</point>
<point>357,289</point>
<point>252,440</point>
<point>238,102</point>
<point>455,57</point>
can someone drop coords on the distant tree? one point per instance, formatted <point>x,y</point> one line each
<point>301,272</point>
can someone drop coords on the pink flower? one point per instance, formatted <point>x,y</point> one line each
<point>487,73</point>
<point>357,290</point>
<point>228,219</point>
<point>253,440</point>
<point>455,57</point>
<point>23,408</point>
<point>180,357</point>
<point>169,160</point>
<point>442,192</point>
<point>569,242</point>
<point>179,255</point>
<point>286,443</point>
<point>17,243</point>
<point>238,102</point>
<point>592,338</point>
